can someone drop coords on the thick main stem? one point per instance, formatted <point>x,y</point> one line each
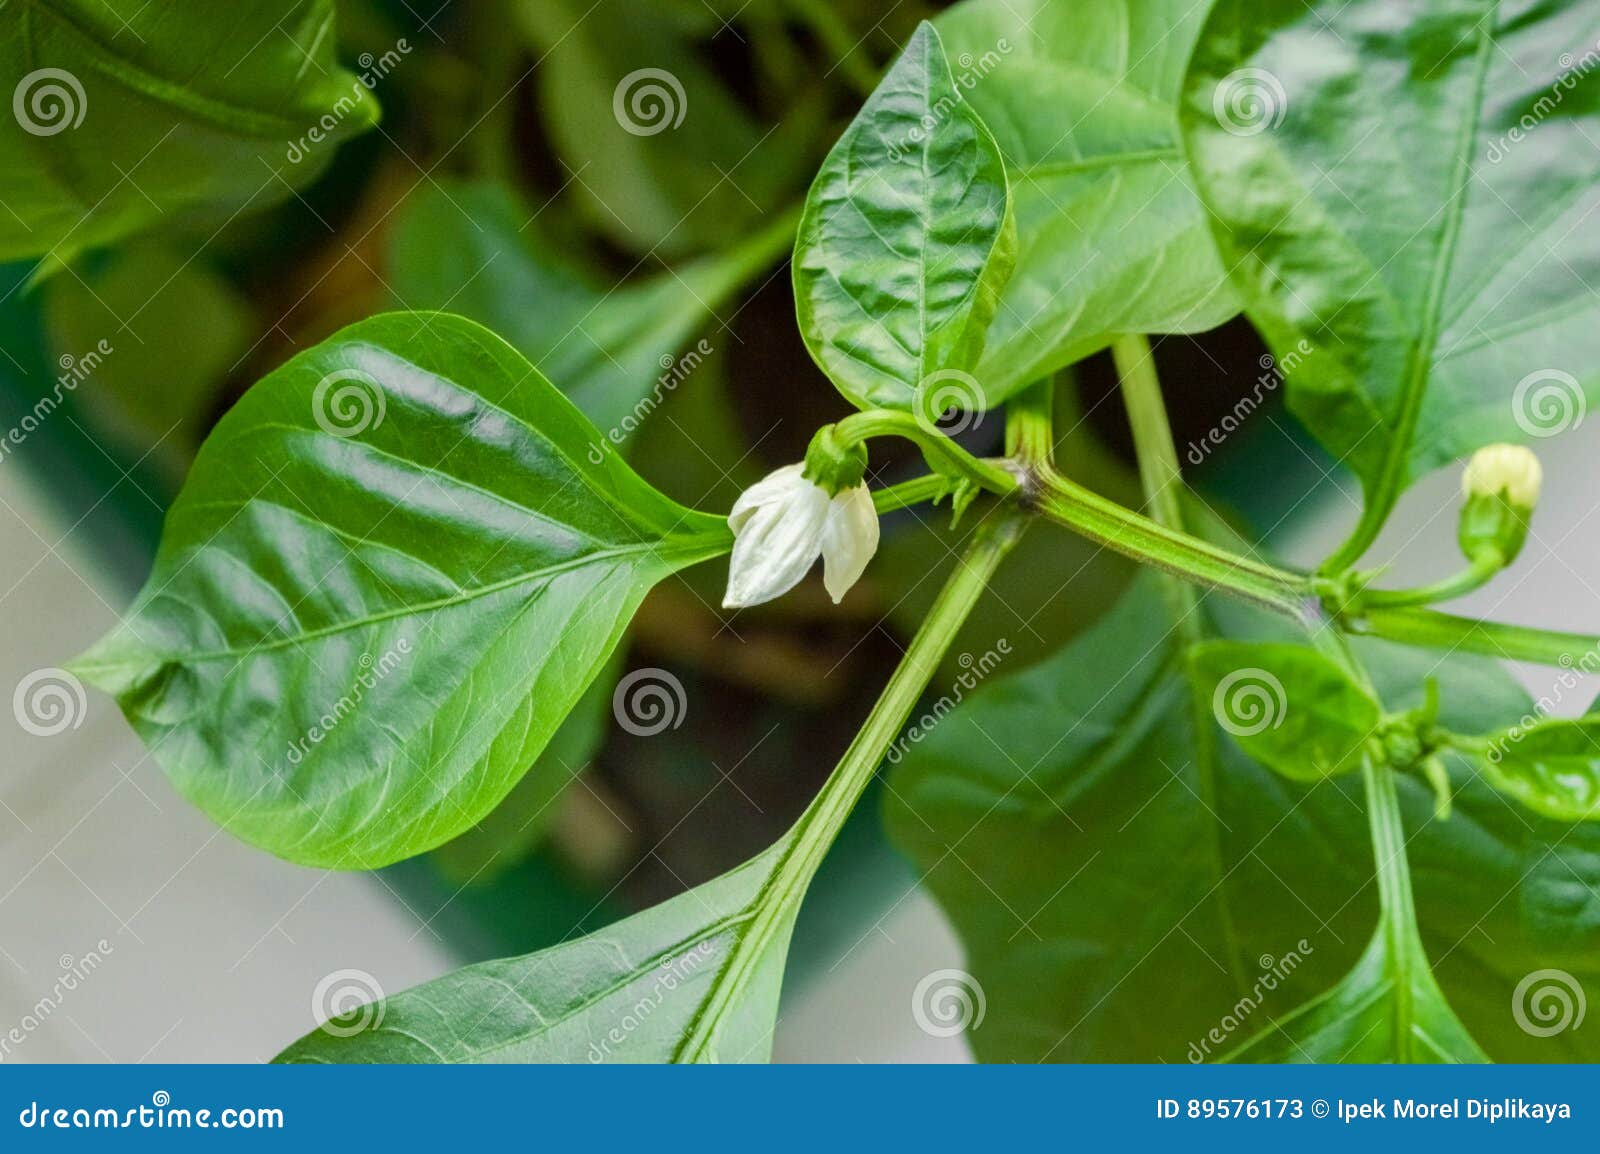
<point>817,828</point>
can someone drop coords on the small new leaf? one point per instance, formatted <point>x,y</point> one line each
<point>1552,767</point>
<point>906,241</point>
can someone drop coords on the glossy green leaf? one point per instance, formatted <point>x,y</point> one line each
<point>1552,767</point>
<point>1407,189</point>
<point>1287,706</point>
<point>1130,887</point>
<point>1388,1008</point>
<point>396,565</point>
<point>638,991</point>
<point>1112,239</point>
<point>906,241</point>
<point>128,114</point>
<point>615,351</point>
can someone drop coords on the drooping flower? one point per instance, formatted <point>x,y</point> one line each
<point>783,522</point>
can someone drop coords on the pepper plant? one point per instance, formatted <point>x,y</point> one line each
<point>1129,834</point>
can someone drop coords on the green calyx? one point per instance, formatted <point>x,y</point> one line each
<point>833,464</point>
<point>1492,521</point>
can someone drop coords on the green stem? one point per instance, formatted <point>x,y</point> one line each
<point>1399,915</point>
<point>1426,628</point>
<point>1162,479</point>
<point>820,824</point>
<point>942,453</point>
<point>1180,554</point>
<point>1147,416</point>
<point>908,493</point>
<point>1483,569</point>
<point>1030,427</point>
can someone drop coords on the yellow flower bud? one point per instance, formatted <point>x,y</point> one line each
<point>1511,470</point>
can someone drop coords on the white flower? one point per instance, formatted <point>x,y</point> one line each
<point>1509,469</point>
<point>783,522</point>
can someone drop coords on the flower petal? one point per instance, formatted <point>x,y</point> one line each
<point>776,544</point>
<point>775,486</point>
<point>849,539</point>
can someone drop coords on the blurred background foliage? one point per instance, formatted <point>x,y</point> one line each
<point>646,275</point>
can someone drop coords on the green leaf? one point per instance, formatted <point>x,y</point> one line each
<point>1389,1008</point>
<point>906,240</point>
<point>664,159</point>
<point>1130,887</point>
<point>396,565</point>
<point>636,991</point>
<point>1083,104</point>
<point>511,831</point>
<point>1287,706</point>
<point>1552,766</point>
<point>616,351</point>
<point>1403,200</point>
<point>132,117</point>
<point>187,327</point>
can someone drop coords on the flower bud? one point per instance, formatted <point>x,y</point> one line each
<point>1501,487</point>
